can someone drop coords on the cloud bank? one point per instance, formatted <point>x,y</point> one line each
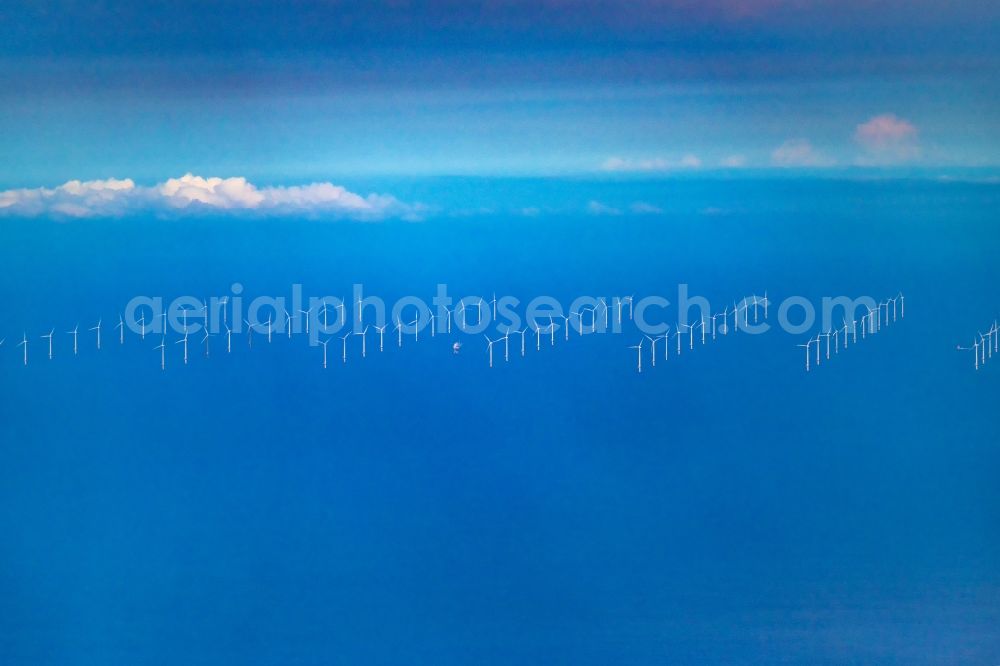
<point>887,139</point>
<point>628,164</point>
<point>799,153</point>
<point>196,194</point>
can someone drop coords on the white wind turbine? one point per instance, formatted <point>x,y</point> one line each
<point>381,336</point>
<point>806,347</point>
<point>163,354</point>
<point>521,333</point>
<point>364,341</point>
<point>494,304</point>
<point>98,329</point>
<point>121,330</point>
<point>565,319</point>
<point>269,321</point>
<point>652,353</point>
<point>205,340</point>
<point>343,339</point>
<point>416,328</point>
<point>306,313</point>
<point>288,323</point>
<point>24,343</point>
<point>76,335</point>
<point>229,338</point>
<point>142,326</point>
<point>975,352</point>
<point>399,329</point>
<point>447,319</point>
<point>249,333</point>
<point>489,347</point>
<point>552,332</point>
<point>604,304</point>
<point>638,349</point>
<point>184,341</point>
<point>324,343</point>
<point>48,336</point>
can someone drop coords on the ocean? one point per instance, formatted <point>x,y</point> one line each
<point>418,506</point>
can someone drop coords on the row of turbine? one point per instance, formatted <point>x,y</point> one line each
<point>708,325</point>
<point>269,329</point>
<point>871,323</point>
<point>982,349</point>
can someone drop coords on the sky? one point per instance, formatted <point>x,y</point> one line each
<point>285,93</point>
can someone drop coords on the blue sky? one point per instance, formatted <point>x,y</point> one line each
<point>298,91</point>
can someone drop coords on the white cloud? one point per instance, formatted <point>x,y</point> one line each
<point>690,161</point>
<point>597,208</point>
<point>632,164</point>
<point>192,193</point>
<point>733,161</point>
<point>887,138</point>
<point>643,208</point>
<point>798,153</point>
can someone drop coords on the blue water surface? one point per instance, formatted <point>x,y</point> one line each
<point>418,507</point>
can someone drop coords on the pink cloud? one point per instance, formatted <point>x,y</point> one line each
<point>887,138</point>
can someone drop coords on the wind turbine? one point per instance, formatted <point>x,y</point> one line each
<point>288,323</point>
<point>98,329</point>
<point>224,301</point>
<point>489,347</point>
<point>343,339</point>
<point>975,352</point>
<point>638,348</point>
<point>205,340</point>
<point>75,334</point>
<point>324,343</point>
<point>381,336</point>
<point>506,346</point>
<point>604,304</point>
<point>229,338</point>
<point>552,331</point>
<point>806,347</point>
<point>399,328</point>
<point>121,330</point>
<point>306,313</point>
<point>269,318</point>
<point>494,304</point>
<point>521,333</point>
<point>566,325</point>
<point>765,304</point>
<point>249,333</point>
<point>652,354</point>
<point>49,337</point>
<point>630,299</point>
<point>364,341</point>
<point>24,343</point>
<point>184,341</point>
<point>163,354</point>
<point>447,319</point>
<point>416,328</point>
<point>142,326</point>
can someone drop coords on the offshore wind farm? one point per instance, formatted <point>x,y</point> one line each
<point>527,332</point>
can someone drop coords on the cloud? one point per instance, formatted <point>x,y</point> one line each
<point>887,138</point>
<point>690,161</point>
<point>630,164</point>
<point>597,208</point>
<point>798,153</point>
<point>733,161</point>
<point>190,193</point>
<point>643,208</point>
